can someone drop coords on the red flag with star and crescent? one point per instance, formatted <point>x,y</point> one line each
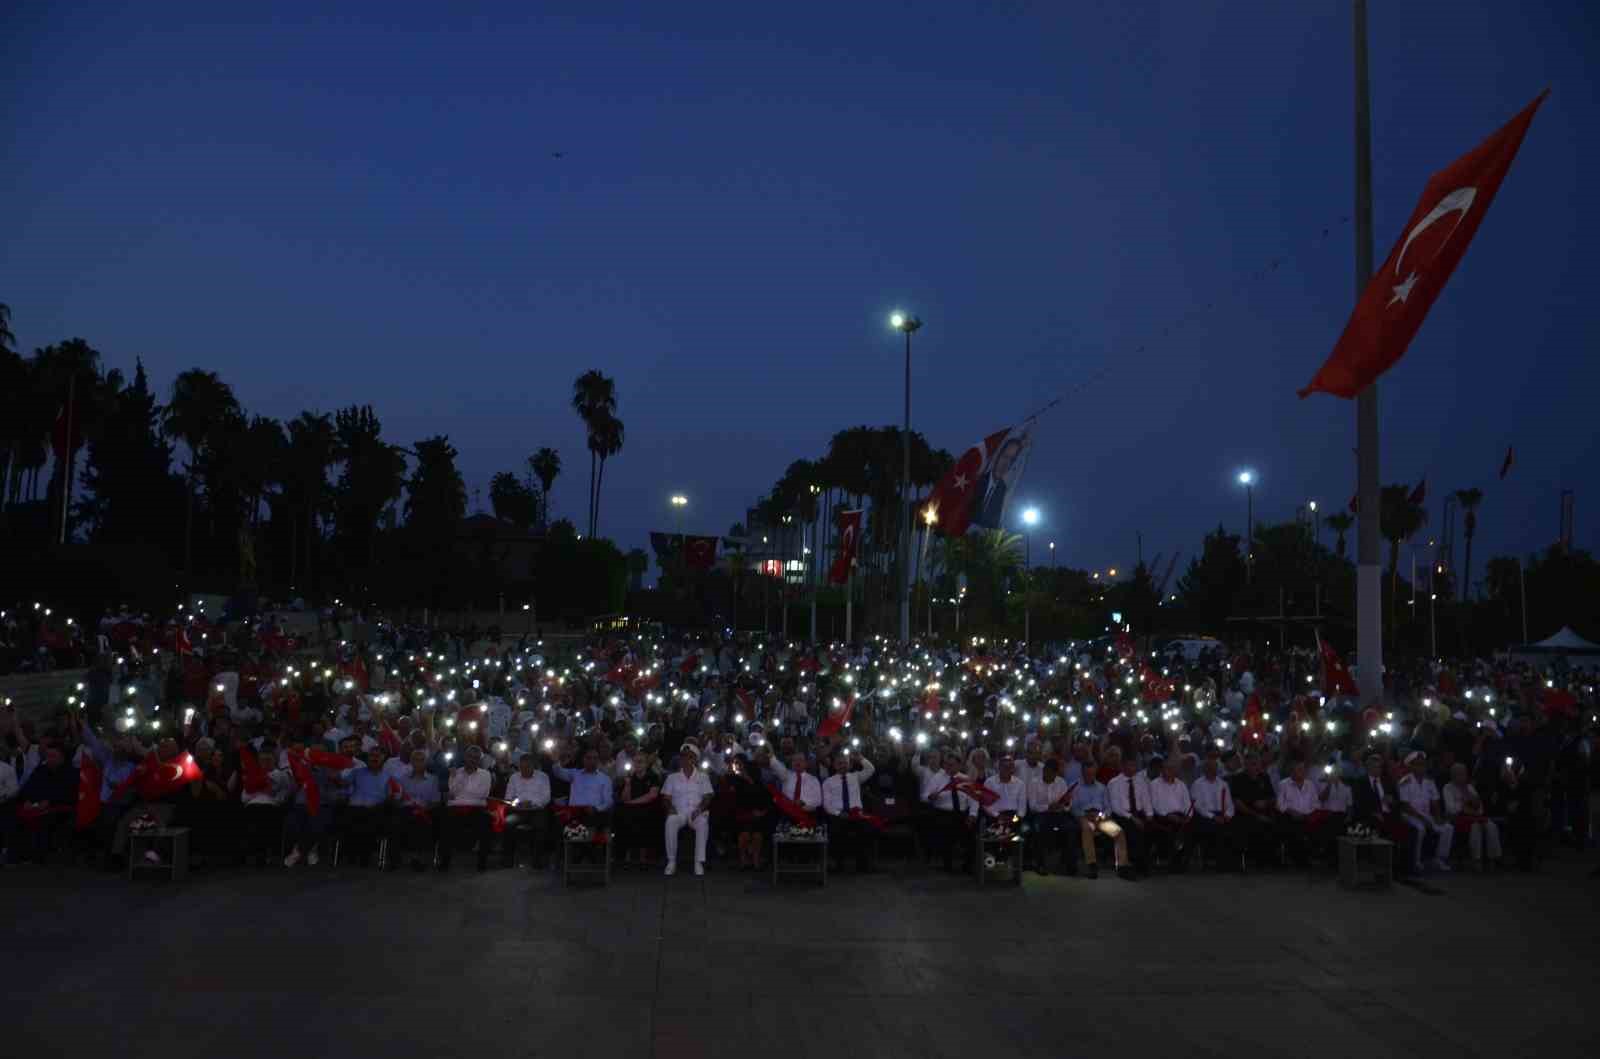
<point>849,535</point>
<point>836,719</point>
<point>1432,243</point>
<point>700,553</point>
<point>956,502</point>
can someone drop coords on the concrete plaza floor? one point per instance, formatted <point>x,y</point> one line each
<point>340,961</point>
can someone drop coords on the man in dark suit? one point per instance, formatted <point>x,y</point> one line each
<point>989,498</point>
<point>1372,802</point>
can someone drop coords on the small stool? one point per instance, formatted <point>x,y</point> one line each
<point>176,840</point>
<point>806,867</point>
<point>582,869</point>
<point>1365,861</point>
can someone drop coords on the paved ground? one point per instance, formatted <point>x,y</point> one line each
<point>341,962</point>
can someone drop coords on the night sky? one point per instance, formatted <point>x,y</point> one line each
<point>365,208</point>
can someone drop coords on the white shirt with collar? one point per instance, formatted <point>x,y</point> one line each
<point>470,788</point>
<point>685,793</point>
<point>1299,798</point>
<point>1456,798</point>
<point>1211,798</point>
<point>1030,773</point>
<point>1419,794</point>
<point>934,793</point>
<point>810,788</point>
<point>1013,795</point>
<point>833,791</point>
<point>1117,796</point>
<point>1169,797</point>
<point>531,791</point>
<point>1042,796</point>
<point>1338,792</point>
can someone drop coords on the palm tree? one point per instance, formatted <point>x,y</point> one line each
<point>7,339</point>
<point>1340,522</point>
<point>200,403</point>
<point>1398,519</point>
<point>546,466</point>
<point>605,441</point>
<point>593,395</point>
<point>1469,499</point>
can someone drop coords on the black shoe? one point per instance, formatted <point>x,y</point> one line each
<point>1092,871</point>
<point>1127,874</point>
<point>417,865</point>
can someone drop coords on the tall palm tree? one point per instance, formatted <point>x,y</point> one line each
<point>200,403</point>
<point>594,395</point>
<point>1469,499</point>
<point>313,445</point>
<point>605,441</point>
<point>546,466</point>
<point>1340,522</point>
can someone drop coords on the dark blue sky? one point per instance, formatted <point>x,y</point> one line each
<point>365,208</point>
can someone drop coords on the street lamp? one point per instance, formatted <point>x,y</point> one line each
<point>907,325</point>
<point>1316,522</point>
<point>1248,480</point>
<point>1030,519</point>
<point>1052,555</point>
<point>930,518</point>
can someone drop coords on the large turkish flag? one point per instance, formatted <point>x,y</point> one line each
<point>1398,297</point>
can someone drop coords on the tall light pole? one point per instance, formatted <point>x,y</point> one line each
<point>908,325</point>
<point>1052,555</point>
<point>1316,522</point>
<point>811,568</point>
<point>1248,480</point>
<point>679,502</point>
<point>1369,575</point>
<point>930,517</point>
<point>1030,519</point>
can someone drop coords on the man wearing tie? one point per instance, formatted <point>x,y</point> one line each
<point>1128,812</point>
<point>841,796</point>
<point>989,498</point>
<point>797,784</point>
<point>1048,798</point>
<point>949,827</point>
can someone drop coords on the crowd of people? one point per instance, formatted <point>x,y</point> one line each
<point>413,747</point>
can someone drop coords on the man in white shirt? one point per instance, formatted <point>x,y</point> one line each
<point>1423,812</point>
<point>1129,812</point>
<point>688,795</point>
<point>1031,767</point>
<point>796,783</point>
<point>1170,809</point>
<point>468,808</point>
<point>1464,809</point>
<point>1299,800</point>
<point>947,828</point>
<point>1012,803</point>
<point>1213,813</point>
<point>841,797</point>
<point>528,799</point>
<point>1048,799</point>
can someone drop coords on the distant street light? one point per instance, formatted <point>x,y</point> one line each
<point>1248,480</point>
<point>907,325</point>
<point>1030,519</point>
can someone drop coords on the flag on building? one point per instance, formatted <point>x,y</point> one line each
<point>700,553</point>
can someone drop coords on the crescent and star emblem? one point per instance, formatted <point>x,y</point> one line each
<point>1457,202</point>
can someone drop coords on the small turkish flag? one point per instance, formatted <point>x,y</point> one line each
<point>836,719</point>
<point>1400,293</point>
<point>849,535</point>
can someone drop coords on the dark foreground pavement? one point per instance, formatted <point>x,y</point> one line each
<point>343,962</point>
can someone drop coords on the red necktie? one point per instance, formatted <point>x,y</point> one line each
<point>797,776</point>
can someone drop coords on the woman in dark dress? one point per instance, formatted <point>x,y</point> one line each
<point>752,812</point>
<point>637,822</point>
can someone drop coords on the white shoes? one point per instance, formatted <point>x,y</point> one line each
<point>292,859</point>
<point>672,868</point>
<point>699,867</point>
<point>312,858</point>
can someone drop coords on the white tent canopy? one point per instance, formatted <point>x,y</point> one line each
<point>1565,641</point>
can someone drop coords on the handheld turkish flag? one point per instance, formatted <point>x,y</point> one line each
<point>253,777</point>
<point>1392,308</point>
<point>308,783</point>
<point>89,779</point>
<point>849,535</point>
<point>155,779</point>
<point>974,790</point>
<point>1505,467</point>
<point>1336,678</point>
<point>836,719</point>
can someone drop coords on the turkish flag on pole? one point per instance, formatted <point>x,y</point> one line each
<point>700,553</point>
<point>951,499</point>
<point>836,719</point>
<point>849,534</point>
<point>1398,297</point>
